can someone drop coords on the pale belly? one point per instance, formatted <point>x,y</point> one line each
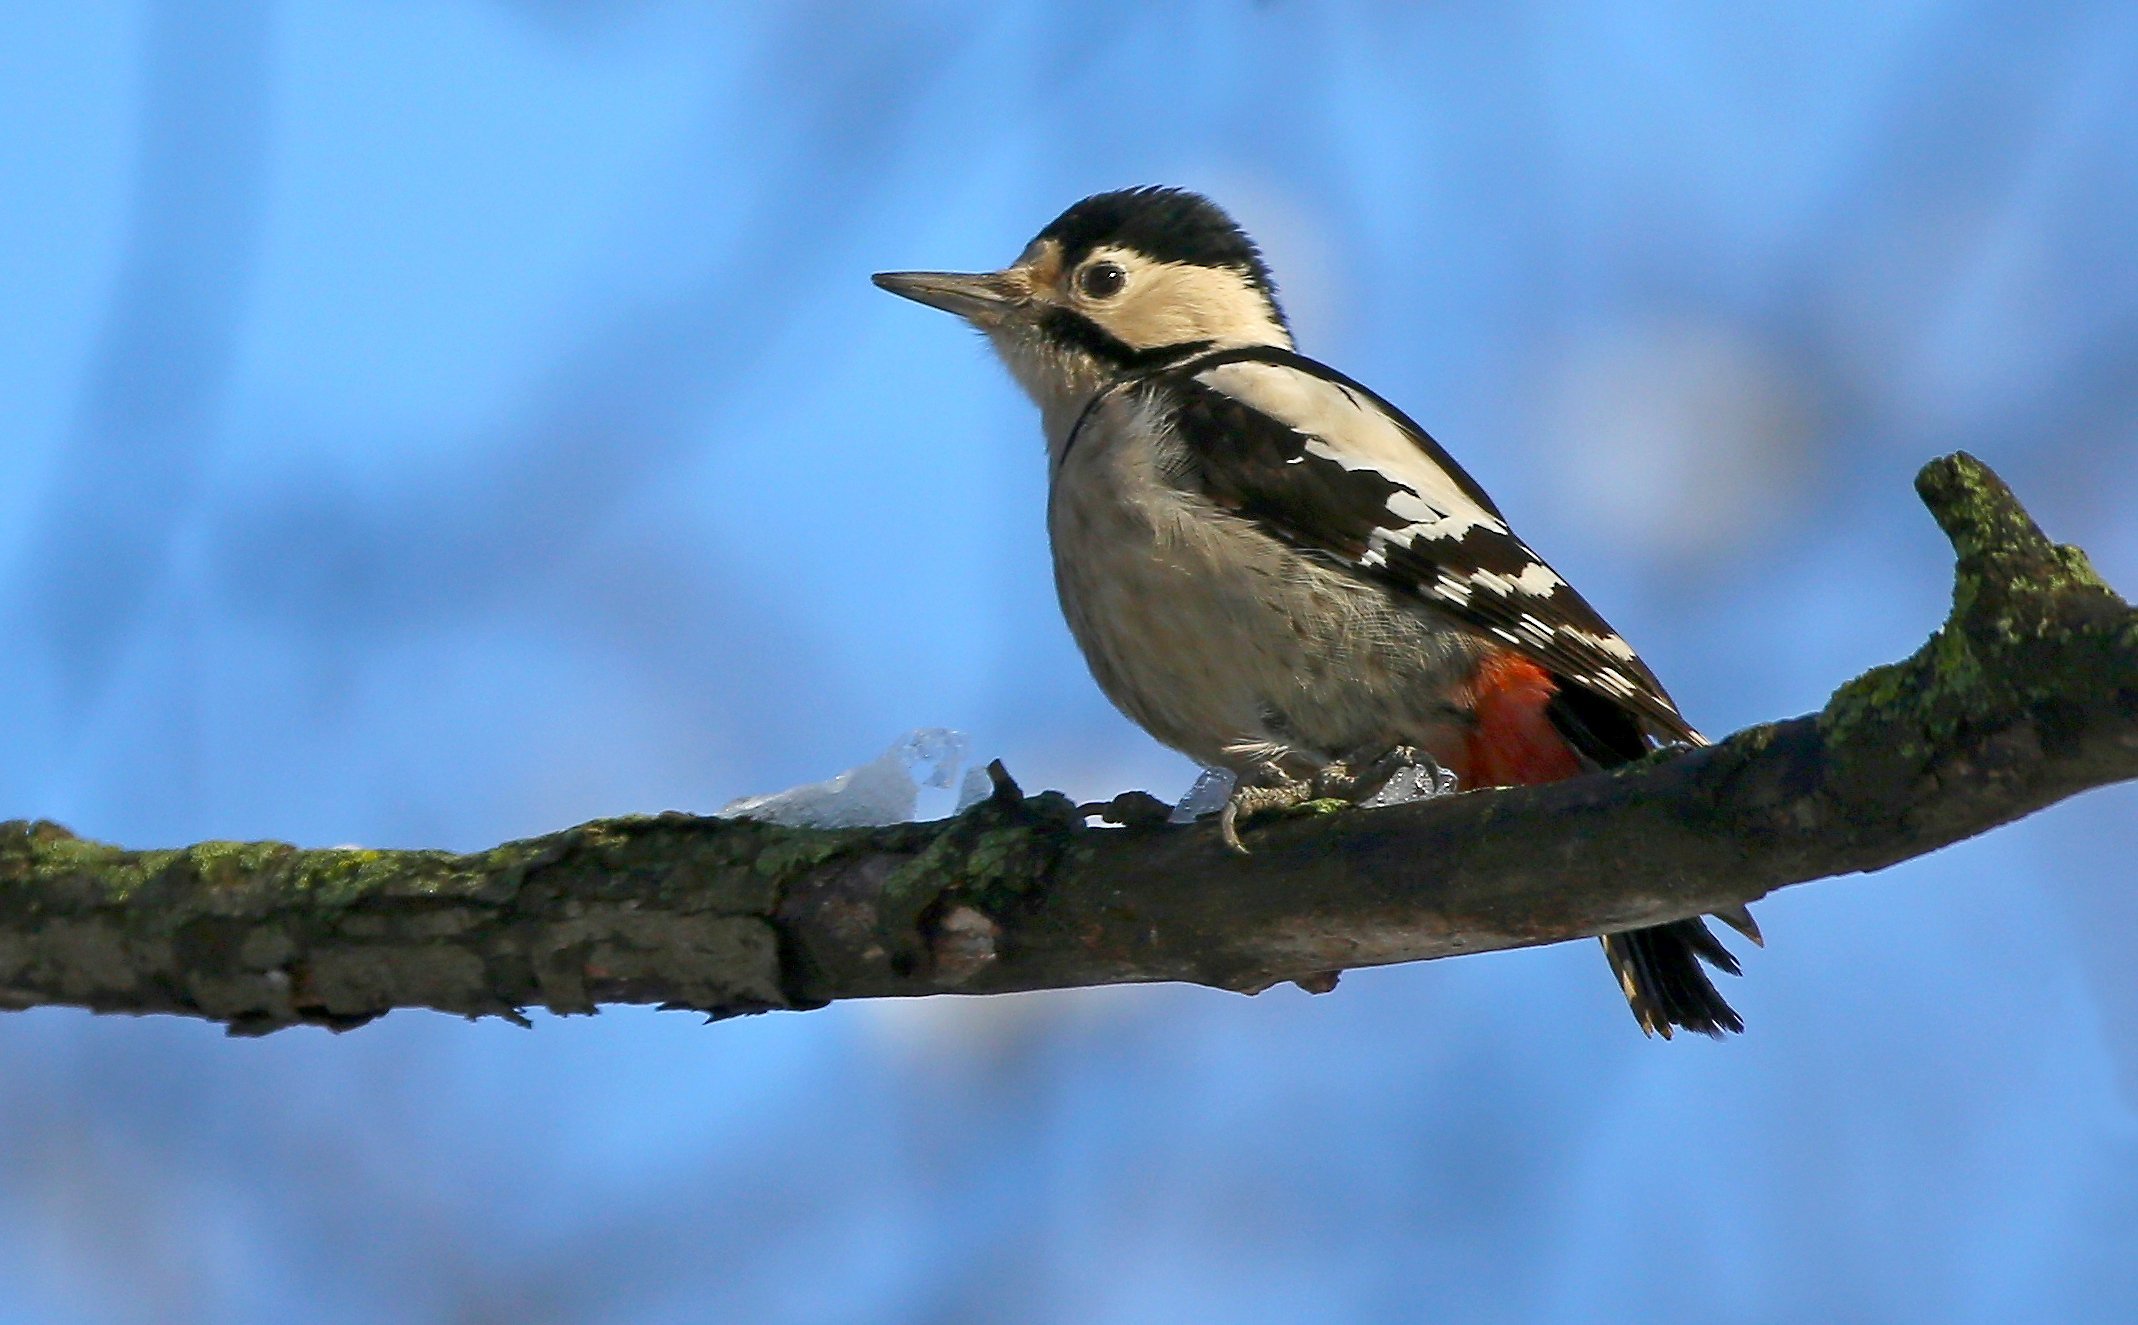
<point>1237,650</point>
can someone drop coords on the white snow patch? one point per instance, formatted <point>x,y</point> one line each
<point>1417,782</point>
<point>1207,796</point>
<point>883,791</point>
<point>977,786</point>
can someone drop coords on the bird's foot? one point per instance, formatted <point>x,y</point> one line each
<point>1271,789</point>
<point>1390,778</point>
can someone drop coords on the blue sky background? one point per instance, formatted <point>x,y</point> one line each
<point>431,423</point>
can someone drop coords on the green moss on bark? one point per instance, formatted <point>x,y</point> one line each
<point>2027,692</point>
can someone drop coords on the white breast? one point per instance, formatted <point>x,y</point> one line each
<point>1218,639</point>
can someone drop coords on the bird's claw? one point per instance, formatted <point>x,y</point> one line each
<point>1253,798</point>
<point>1358,783</point>
<point>1344,780</point>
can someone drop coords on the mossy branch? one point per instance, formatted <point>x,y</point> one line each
<point>2027,694</point>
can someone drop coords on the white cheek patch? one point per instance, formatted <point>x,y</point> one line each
<point>1173,303</point>
<point>1342,428</point>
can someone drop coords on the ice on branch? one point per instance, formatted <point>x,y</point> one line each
<point>1413,782</point>
<point>976,786</point>
<point>886,790</point>
<point>1207,796</point>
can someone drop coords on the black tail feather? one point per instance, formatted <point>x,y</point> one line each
<point>1659,968</point>
<point>1660,971</point>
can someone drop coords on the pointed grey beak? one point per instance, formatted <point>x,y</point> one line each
<point>981,298</point>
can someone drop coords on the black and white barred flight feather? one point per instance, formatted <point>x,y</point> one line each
<point>1326,465</point>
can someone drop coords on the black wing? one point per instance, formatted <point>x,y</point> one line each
<point>1325,464</point>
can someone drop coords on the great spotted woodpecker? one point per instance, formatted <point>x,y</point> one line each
<point>1276,572</point>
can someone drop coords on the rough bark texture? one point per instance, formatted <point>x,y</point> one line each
<point>2027,694</point>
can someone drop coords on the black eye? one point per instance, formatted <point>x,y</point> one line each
<point>1101,280</point>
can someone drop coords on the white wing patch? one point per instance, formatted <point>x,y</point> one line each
<point>1610,644</point>
<point>1428,505</point>
<point>1342,428</point>
<point>1537,580</point>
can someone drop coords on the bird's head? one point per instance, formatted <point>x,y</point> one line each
<point>1119,282</point>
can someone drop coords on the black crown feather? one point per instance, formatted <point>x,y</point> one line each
<point>1163,224</point>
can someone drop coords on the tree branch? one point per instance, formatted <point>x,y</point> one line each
<point>2026,695</point>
